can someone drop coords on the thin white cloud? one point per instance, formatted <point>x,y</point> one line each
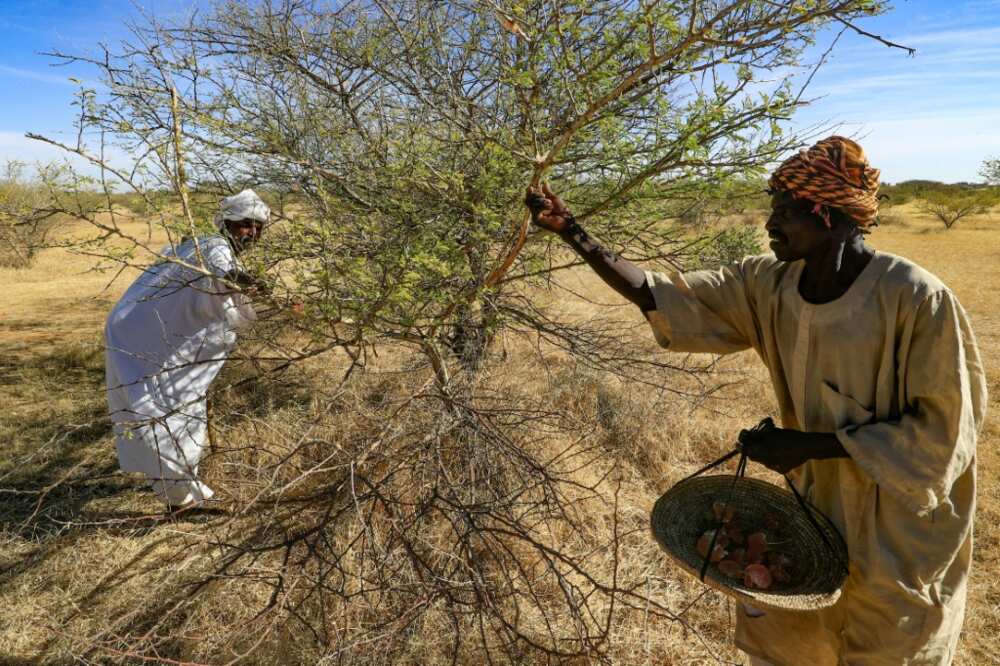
<point>15,139</point>
<point>14,146</point>
<point>981,5</point>
<point>983,54</point>
<point>900,146</point>
<point>958,37</point>
<point>35,76</point>
<point>20,27</point>
<point>906,83</point>
<point>849,86</point>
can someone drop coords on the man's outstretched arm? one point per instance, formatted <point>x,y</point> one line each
<point>549,212</point>
<point>246,281</point>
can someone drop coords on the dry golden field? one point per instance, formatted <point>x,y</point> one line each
<point>74,560</point>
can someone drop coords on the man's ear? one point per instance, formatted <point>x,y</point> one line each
<point>842,224</point>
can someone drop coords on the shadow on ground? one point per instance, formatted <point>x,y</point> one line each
<point>63,500</point>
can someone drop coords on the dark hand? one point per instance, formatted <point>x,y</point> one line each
<point>257,289</point>
<point>547,210</point>
<point>782,449</point>
<point>247,283</point>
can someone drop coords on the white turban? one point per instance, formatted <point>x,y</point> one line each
<point>243,206</point>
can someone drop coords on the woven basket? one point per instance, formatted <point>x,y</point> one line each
<point>679,518</point>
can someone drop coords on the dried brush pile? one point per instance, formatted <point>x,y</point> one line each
<point>392,519</point>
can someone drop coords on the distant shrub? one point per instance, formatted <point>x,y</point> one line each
<point>950,207</point>
<point>132,202</point>
<point>924,190</point>
<point>76,356</point>
<point>140,205</point>
<point>895,195</point>
<point>991,171</point>
<point>889,211</point>
<point>689,213</point>
<point>908,190</point>
<point>890,216</point>
<point>731,244</point>
<point>742,199</point>
<point>753,218</point>
<point>24,219</point>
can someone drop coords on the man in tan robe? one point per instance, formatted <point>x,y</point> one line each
<point>881,393</point>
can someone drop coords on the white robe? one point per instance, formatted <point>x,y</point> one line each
<point>166,340</point>
<point>893,369</point>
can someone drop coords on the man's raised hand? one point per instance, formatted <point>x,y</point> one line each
<point>547,210</point>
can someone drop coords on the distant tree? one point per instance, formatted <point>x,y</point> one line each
<point>991,171</point>
<point>950,207</point>
<point>26,213</point>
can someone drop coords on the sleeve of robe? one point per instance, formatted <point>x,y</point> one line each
<point>236,306</point>
<point>706,311</point>
<point>919,457</point>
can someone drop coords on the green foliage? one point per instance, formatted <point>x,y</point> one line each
<point>991,171</point>
<point>139,205</point>
<point>23,219</point>
<point>731,244</point>
<point>908,190</point>
<point>951,205</point>
<point>411,128</point>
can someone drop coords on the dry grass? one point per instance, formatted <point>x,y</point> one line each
<point>68,570</point>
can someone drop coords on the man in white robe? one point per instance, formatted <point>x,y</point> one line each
<point>166,340</point>
<point>881,394</point>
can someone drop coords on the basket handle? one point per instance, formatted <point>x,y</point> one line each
<point>741,466</point>
<point>815,523</point>
<point>763,425</point>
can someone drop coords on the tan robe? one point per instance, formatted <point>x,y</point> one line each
<point>892,367</point>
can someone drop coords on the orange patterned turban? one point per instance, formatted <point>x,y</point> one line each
<point>833,173</point>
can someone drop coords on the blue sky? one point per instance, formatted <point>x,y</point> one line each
<point>934,115</point>
<point>37,95</point>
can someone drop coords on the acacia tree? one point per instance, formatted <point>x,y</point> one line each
<point>408,130</point>
<point>991,171</point>
<point>949,207</point>
<point>25,214</point>
<point>412,128</point>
